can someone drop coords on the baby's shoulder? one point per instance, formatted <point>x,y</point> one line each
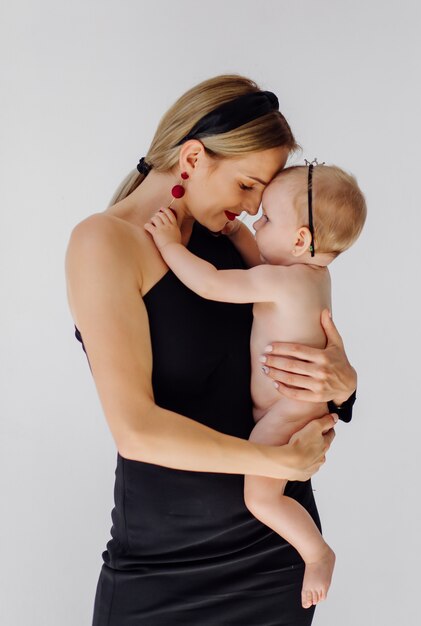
<point>305,279</point>
<point>309,273</point>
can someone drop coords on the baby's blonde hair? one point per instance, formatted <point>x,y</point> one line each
<point>269,131</point>
<point>339,207</point>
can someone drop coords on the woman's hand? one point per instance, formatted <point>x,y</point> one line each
<point>312,374</point>
<point>307,448</point>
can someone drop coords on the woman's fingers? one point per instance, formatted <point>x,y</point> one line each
<point>327,376</point>
<point>297,350</point>
<point>289,364</point>
<point>297,380</point>
<point>306,395</point>
<point>312,442</point>
<point>328,421</point>
<point>312,374</point>
<point>329,437</point>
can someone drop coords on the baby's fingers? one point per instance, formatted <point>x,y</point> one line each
<point>169,213</point>
<point>168,208</point>
<point>149,228</point>
<point>158,219</point>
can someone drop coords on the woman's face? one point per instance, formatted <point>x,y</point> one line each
<point>234,185</point>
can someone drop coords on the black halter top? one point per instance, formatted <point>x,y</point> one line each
<point>193,528</point>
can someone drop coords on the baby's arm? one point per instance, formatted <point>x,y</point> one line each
<point>245,242</point>
<point>259,284</point>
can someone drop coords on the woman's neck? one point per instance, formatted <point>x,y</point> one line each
<point>153,193</point>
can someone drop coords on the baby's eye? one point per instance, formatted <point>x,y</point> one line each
<point>245,188</point>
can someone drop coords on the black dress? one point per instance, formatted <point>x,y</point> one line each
<point>185,550</point>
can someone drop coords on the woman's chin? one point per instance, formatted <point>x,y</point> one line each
<point>218,225</point>
<point>216,229</point>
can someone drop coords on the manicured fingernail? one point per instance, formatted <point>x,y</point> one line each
<point>276,385</point>
<point>263,359</point>
<point>330,314</point>
<point>335,417</point>
<point>268,349</point>
<point>265,369</point>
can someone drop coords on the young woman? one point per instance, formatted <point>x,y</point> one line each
<point>172,371</point>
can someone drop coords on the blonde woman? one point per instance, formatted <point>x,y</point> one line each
<point>172,371</point>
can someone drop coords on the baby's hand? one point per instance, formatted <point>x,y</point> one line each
<point>231,227</point>
<point>164,228</point>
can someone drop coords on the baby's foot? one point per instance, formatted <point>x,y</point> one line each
<point>317,577</point>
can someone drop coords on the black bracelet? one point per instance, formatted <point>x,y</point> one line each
<point>344,411</point>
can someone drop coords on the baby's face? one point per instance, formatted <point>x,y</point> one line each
<point>277,228</point>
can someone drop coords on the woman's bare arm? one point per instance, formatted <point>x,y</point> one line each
<point>103,287</point>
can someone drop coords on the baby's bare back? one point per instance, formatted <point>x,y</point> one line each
<point>293,316</point>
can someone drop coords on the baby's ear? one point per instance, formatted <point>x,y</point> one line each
<point>302,241</point>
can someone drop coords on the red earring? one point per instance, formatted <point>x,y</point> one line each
<point>178,191</point>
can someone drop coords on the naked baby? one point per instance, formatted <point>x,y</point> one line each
<point>310,214</point>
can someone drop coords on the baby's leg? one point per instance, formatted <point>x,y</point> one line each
<point>264,497</point>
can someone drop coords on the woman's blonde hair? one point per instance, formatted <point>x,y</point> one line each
<point>339,207</point>
<point>268,131</point>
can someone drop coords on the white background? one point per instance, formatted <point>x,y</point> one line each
<point>84,85</point>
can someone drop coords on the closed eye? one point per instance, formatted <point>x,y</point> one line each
<point>245,188</point>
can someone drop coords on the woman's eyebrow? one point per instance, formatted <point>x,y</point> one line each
<point>259,180</point>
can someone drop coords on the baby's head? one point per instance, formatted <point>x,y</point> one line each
<point>339,212</point>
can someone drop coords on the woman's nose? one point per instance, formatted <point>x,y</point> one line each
<point>252,210</point>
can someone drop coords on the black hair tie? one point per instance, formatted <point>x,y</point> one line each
<point>143,167</point>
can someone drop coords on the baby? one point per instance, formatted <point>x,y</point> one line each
<point>289,284</point>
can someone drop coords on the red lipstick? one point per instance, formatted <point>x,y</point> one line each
<point>230,216</point>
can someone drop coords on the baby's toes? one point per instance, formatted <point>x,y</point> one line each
<point>306,598</point>
<point>315,597</point>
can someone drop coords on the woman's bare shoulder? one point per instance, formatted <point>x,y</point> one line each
<point>108,237</point>
<point>104,228</point>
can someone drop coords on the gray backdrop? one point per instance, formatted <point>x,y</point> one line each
<point>84,85</point>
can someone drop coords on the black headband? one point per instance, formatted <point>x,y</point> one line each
<point>226,117</point>
<point>310,200</point>
<point>233,114</point>
<point>310,206</point>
